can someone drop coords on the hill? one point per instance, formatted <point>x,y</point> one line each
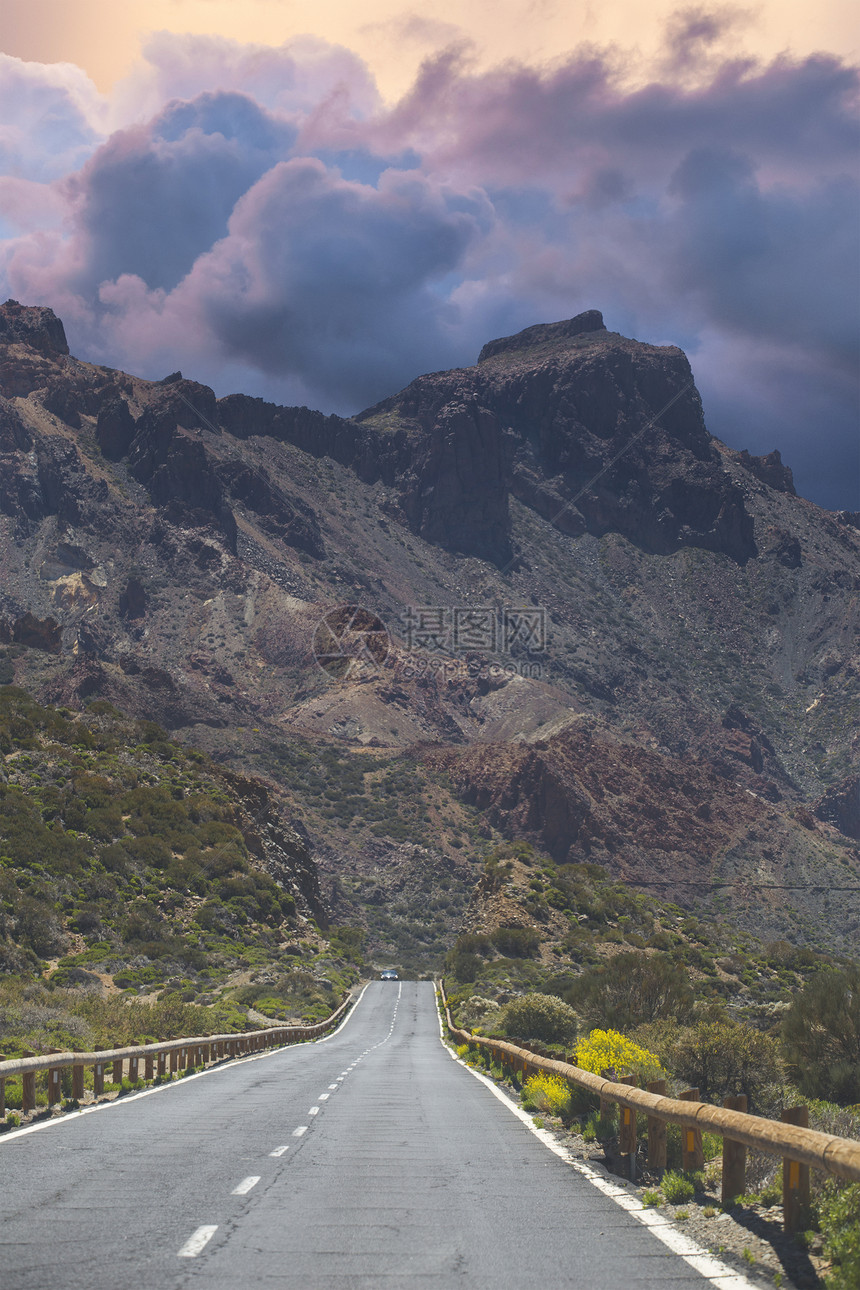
<point>130,863</point>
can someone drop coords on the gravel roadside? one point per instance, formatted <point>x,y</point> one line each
<point>748,1239</point>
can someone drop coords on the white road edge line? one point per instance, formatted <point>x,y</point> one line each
<point>245,1185</point>
<point>196,1242</point>
<point>279,1151</point>
<point>70,1117</point>
<point>718,1274</point>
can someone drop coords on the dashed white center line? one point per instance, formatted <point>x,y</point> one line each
<point>279,1151</point>
<point>297,1133</point>
<point>323,1097</point>
<point>196,1242</point>
<point>245,1185</point>
<point>314,1110</point>
<point>333,1087</point>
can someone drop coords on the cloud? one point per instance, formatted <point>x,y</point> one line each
<point>268,221</point>
<point>154,198</point>
<point>50,119</point>
<point>321,281</point>
<point>290,79</point>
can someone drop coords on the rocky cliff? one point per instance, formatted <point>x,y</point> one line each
<point>175,553</point>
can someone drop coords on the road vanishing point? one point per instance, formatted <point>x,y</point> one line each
<point>370,1158</point>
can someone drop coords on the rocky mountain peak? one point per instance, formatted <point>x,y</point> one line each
<point>545,333</point>
<point>176,554</point>
<point>32,325</point>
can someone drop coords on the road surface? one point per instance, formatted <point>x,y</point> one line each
<point>368,1159</point>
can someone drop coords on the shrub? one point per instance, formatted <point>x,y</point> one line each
<point>548,1093</point>
<point>464,967</point>
<point>631,990</point>
<point>840,1227</point>
<point>516,942</point>
<point>821,1036</point>
<point>677,1188</point>
<point>478,1011</point>
<point>607,1048</point>
<point>722,1057</point>
<point>539,1016</point>
<point>651,1197</point>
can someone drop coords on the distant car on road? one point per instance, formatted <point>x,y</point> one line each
<point>388,975</point>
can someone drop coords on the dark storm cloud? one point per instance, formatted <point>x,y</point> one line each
<point>331,280</point>
<point>155,197</point>
<point>288,234</point>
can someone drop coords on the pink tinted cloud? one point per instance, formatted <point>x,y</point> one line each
<point>290,79</point>
<point>270,218</point>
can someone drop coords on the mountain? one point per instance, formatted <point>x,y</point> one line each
<point>583,621</point>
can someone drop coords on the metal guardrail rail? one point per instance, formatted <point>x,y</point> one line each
<point>800,1147</point>
<point>158,1059</point>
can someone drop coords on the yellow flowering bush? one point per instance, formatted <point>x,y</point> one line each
<point>548,1093</point>
<point>605,1048</point>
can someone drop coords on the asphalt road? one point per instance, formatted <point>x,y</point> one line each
<point>367,1159</point>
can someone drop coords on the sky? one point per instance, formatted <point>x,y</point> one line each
<point>316,203</point>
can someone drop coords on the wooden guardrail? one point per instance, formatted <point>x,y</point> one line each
<point>158,1060</point>
<point>800,1147</point>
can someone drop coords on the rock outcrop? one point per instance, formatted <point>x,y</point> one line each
<point>34,326</point>
<point>593,431</point>
<point>840,806</point>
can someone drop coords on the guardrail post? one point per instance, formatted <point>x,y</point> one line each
<point>734,1157</point>
<point>657,1131</point>
<point>133,1070</point>
<point>149,1066</point>
<point>2,1090</point>
<point>78,1082</point>
<point>116,1073</point>
<point>174,1060</point>
<point>162,1065</point>
<point>627,1138</point>
<point>692,1155</point>
<point>98,1079</point>
<point>607,1108</point>
<point>28,1085</point>
<point>52,1081</point>
<point>795,1177</point>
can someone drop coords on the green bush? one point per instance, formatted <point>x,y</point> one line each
<point>724,1057</point>
<point>599,1128</point>
<point>840,1227</point>
<point>821,1036</point>
<point>539,1016</point>
<point>631,989</point>
<point>677,1188</point>
<point>516,942</point>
